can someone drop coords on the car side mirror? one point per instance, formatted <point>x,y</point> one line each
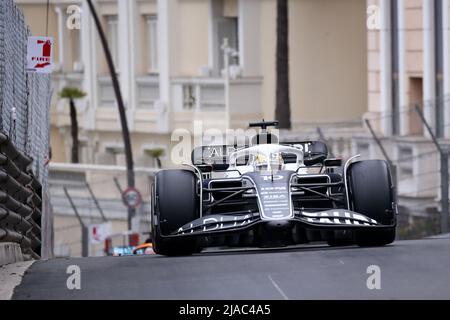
<point>333,162</point>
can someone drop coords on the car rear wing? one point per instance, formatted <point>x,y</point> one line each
<point>314,152</point>
<point>217,156</point>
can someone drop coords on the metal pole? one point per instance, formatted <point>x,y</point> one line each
<point>444,173</point>
<point>84,229</point>
<point>94,198</point>
<point>117,183</point>
<point>85,241</point>
<point>120,105</point>
<point>430,131</point>
<point>386,156</point>
<point>119,188</point>
<point>444,193</point>
<point>378,141</point>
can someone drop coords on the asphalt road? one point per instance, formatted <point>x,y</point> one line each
<point>409,270</point>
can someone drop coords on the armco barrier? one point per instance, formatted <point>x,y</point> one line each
<point>20,200</point>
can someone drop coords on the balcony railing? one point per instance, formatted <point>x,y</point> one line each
<point>147,92</point>
<point>198,94</point>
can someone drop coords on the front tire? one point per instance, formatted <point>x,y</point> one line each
<point>174,203</point>
<point>372,194</point>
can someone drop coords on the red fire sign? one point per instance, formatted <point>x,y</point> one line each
<point>40,54</point>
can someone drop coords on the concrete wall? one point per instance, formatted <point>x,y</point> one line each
<point>414,36</point>
<point>268,51</point>
<point>373,66</point>
<point>191,24</point>
<point>58,148</point>
<point>328,59</point>
<point>328,69</point>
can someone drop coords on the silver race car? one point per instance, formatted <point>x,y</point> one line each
<point>271,194</point>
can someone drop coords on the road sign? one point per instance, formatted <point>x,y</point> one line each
<point>99,232</point>
<point>132,198</point>
<point>40,54</point>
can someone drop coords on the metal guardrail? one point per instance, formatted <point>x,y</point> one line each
<point>20,200</point>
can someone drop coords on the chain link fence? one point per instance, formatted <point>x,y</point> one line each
<point>24,121</point>
<point>24,97</point>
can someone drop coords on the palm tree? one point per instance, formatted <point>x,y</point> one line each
<point>282,109</point>
<point>72,94</point>
<point>156,154</point>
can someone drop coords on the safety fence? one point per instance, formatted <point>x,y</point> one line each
<point>20,200</point>
<point>24,137</point>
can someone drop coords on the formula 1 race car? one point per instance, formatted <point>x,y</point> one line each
<point>271,194</point>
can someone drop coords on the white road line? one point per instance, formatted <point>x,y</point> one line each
<point>341,262</point>
<point>285,297</point>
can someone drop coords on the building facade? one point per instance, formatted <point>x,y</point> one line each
<point>170,61</point>
<point>409,68</point>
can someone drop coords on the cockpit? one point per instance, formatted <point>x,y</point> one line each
<point>265,157</point>
<point>263,152</point>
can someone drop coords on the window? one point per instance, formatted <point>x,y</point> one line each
<point>152,43</point>
<point>205,96</point>
<point>148,94</point>
<point>227,28</point>
<point>106,97</point>
<point>415,98</point>
<point>405,163</point>
<point>113,38</point>
<point>76,49</point>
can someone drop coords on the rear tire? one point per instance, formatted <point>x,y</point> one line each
<point>372,194</point>
<point>174,203</point>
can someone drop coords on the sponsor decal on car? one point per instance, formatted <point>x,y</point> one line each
<point>337,216</point>
<point>216,223</point>
<point>274,196</point>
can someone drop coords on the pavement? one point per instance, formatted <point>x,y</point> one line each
<point>10,276</point>
<point>416,269</point>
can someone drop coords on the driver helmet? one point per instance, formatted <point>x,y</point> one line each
<point>274,162</point>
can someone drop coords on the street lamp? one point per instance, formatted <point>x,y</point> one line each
<point>120,105</point>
